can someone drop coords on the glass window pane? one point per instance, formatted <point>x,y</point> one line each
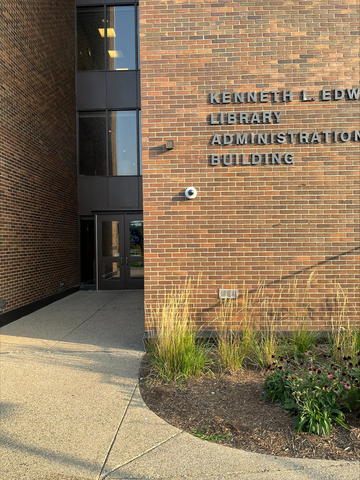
<point>136,270</point>
<point>123,143</point>
<point>136,238</point>
<point>140,146</point>
<point>121,38</point>
<point>110,239</point>
<point>110,271</point>
<point>90,38</point>
<point>92,143</point>
<point>138,35</point>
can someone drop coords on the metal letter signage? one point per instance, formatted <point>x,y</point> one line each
<point>256,118</point>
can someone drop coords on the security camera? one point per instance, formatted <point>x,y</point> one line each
<point>190,193</point>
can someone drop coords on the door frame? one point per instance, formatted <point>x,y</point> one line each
<point>124,259</point>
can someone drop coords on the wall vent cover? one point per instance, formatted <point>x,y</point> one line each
<point>228,293</point>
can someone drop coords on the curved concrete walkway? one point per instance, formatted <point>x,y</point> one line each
<point>71,408</point>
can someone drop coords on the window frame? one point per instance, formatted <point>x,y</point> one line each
<point>138,137</point>
<point>105,6</point>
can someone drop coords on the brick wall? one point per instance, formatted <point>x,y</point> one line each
<point>251,223</point>
<point>38,208</point>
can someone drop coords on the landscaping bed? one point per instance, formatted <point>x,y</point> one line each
<point>229,409</point>
<point>294,393</point>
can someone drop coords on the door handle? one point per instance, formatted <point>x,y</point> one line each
<point>127,260</point>
<point>122,260</point>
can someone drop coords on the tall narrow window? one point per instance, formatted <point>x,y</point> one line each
<point>90,38</point>
<point>121,38</point>
<point>140,147</point>
<point>123,145</point>
<point>92,143</point>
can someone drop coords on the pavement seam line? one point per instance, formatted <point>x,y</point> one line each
<point>82,323</point>
<point>140,455</point>
<point>117,431</point>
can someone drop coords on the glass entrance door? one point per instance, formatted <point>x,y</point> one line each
<point>134,251</point>
<point>120,252</point>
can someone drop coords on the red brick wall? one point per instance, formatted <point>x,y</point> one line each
<point>250,223</point>
<point>38,208</point>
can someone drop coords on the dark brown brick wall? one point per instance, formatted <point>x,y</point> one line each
<point>250,223</point>
<point>38,208</point>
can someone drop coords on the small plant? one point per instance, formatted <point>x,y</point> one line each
<point>302,340</point>
<point>315,403</point>
<point>316,395</point>
<point>233,346</point>
<point>344,341</point>
<point>265,344</point>
<point>174,352</point>
<point>215,437</point>
<point>300,308</point>
<point>345,336</point>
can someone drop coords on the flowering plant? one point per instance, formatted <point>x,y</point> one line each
<point>316,394</point>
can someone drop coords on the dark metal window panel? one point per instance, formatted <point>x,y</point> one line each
<point>138,88</point>
<point>91,90</point>
<point>121,2</point>
<point>89,2</point>
<point>123,192</point>
<point>93,194</point>
<point>140,186</point>
<point>122,90</point>
<point>111,90</point>
<point>107,2</point>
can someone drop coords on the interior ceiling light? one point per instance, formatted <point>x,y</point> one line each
<point>110,32</point>
<point>115,54</point>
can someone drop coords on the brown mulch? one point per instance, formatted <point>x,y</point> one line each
<point>233,405</point>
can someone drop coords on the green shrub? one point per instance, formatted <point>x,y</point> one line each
<point>316,395</point>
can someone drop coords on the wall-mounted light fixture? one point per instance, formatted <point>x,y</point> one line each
<point>169,144</point>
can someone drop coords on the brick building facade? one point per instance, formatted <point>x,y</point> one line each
<point>256,218</point>
<point>261,102</point>
<point>38,208</point>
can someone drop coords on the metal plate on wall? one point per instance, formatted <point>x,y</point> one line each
<point>91,90</point>
<point>124,192</point>
<point>87,200</point>
<point>122,90</point>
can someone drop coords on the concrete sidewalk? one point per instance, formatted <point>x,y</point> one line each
<point>71,408</point>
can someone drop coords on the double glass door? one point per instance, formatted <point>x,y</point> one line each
<point>120,252</point>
